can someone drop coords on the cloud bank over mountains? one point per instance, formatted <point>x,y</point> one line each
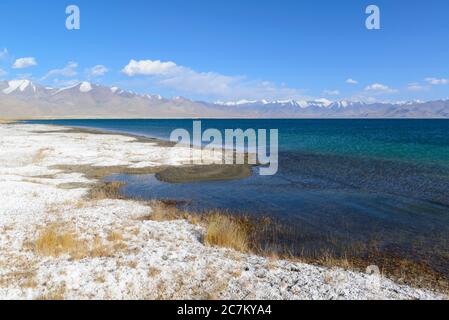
<point>188,81</point>
<point>25,99</point>
<point>173,79</point>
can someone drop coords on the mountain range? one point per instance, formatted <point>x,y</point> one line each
<point>24,99</point>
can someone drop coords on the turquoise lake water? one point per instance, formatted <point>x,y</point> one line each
<point>341,183</point>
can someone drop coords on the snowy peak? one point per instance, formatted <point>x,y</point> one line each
<point>236,103</point>
<point>19,86</point>
<point>294,103</point>
<point>23,98</point>
<point>27,89</point>
<point>85,87</point>
<point>154,97</point>
<point>180,99</point>
<point>301,104</point>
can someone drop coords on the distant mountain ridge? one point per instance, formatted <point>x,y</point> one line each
<point>26,100</point>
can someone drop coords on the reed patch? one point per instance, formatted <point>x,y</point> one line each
<point>56,241</point>
<point>105,190</point>
<point>226,231</point>
<point>52,242</point>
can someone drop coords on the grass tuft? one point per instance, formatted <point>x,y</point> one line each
<point>222,229</point>
<point>57,294</point>
<point>100,249</point>
<point>115,236</point>
<point>106,190</point>
<point>229,232</point>
<point>52,243</point>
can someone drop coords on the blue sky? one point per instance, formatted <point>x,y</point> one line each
<point>233,49</point>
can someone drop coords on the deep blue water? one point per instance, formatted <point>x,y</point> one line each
<point>341,183</point>
<point>410,140</point>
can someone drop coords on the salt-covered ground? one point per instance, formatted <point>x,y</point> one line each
<point>148,260</point>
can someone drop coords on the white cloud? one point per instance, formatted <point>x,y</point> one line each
<point>351,81</point>
<point>24,63</point>
<point>416,87</point>
<point>3,73</point>
<point>149,68</point>
<point>209,85</point>
<point>4,54</point>
<point>68,71</point>
<point>97,71</point>
<point>379,88</point>
<point>331,92</point>
<point>435,81</point>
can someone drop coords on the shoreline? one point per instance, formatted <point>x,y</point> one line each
<point>171,174</point>
<point>398,268</point>
<point>34,200</point>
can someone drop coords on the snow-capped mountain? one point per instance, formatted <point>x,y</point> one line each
<point>27,88</point>
<point>323,108</point>
<point>19,86</point>
<point>26,99</point>
<point>321,103</point>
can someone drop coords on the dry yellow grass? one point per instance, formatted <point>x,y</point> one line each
<point>161,212</point>
<point>107,190</point>
<point>329,260</point>
<point>222,229</point>
<point>54,244</point>
<point>54,294</point>
<point>80,204</point>
<point>226,231</point>
<point>115,236</point>
<point>100,249</point>
<point>25,279</point>
<point>153,272</point>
